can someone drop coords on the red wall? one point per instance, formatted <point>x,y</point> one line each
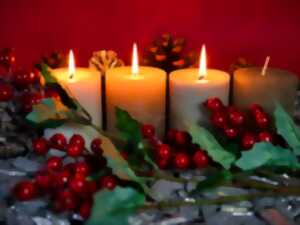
<point>230,28</point>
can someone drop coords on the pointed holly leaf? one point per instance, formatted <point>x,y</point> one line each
<point>47,110</point>
<point>266,154</point>
<point>115,207</point>
<point>287,128</point>
<point>207,141</point>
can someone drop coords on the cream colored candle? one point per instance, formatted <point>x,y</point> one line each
<point>85,85</point>
<point>138,90</point>
<point>189,88</point>
<point>276,85</point>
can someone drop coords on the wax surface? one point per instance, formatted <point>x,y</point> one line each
<point>276,86</point>
<point>85,86</point>
<point>142,96</point>
<point>187,93</point>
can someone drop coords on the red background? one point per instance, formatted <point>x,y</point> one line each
<point>230,28</point>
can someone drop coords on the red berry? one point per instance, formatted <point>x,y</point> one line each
<point>265,136</point>
<point>262,120</point>
<point>24,78</point>
<point>74,150</point>
<point>67,200</point>
<point>148,131</point>
<point>6,92</point>
<point>164,152</point>
<point>77,139</point>
<point>182,138</point>
<point>163,163</point>
<point>92,186</point>
<point>78,184</point>
<point>40,146</point>
<point>43,180</point>
<point>58,141</point>
<point>96,146</point>
<point>236,118</point>
<point>200,159</point>
<point>214,104</point>
<point>85,210</point>
<point>230,132</point>
<point>7,57</point>
<point>82,168</point>
<point>51,93</point>
<point>255,108</point>
<point>61,178</point>
<point>54,163</point>
<point>109,182</point>
<point>30,99</point>
<point>25,191</point>
<point>171,136</point>
<point>181,161</point>
<point>248,140</point>
<point>219,119</point>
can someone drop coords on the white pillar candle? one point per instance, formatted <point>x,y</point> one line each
<point>140,91</point>
<point>85,85</point>
<point>189,88</point>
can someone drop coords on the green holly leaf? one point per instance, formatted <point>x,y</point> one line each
<point>49,110</point>
<point>287,128</point>
<point>128,126</point>
<point>207,141</point>
<point>47,74</point>
<point>266,154</point>
<point>115,207</point>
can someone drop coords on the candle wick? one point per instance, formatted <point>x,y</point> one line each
<point>71,76</point>
<point>265,67</point>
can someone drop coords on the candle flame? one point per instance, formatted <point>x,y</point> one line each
<point>71,65</point>
<point>135,61</point>
<point>265,67</point>
<point>202,64</point>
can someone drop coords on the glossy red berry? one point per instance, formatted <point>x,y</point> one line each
<point>6,92</point>
<point>85,209</point>
<point>231,132</point>
<point>219,119</point>
<point>148,131</point>
<point>96,146</point>
<point>24,78</point>
<point>61,178</point>
<point>236,118</point>
<point>82,168</point>
<point>58,141</point>
<point>164,151</point>
<point>181,161</point>
<point>163,163</point>
<point>30,99</point>
<point>74,150</point>
<point>78,184</point>
<point>67,200</point>
<point>248,140</point>
<point>182,138</point>
<point>40,146</point>
<point>77,139</point>
<point>265,136</point>
<point>255,108</point>
<point>43,180</point>
<point>200,159</point>
<point>214,104</point>
<point>171,135</point>
<point>54,163</point>
<point>262,120</point>
<point>109,182</point>
<point>7,57</point>
<point>25,191</point>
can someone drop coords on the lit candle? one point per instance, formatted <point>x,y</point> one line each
<point>265,86</point>
<point>189,88</point>
<point>85,85</point>
<point>138,90</point>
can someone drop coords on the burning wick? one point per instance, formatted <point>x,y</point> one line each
<point>202,64</point>
<point>265,67</point>
<point>135,61</point>
<point>71,65</point>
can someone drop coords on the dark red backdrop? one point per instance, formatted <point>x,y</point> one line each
<point>230,28</point>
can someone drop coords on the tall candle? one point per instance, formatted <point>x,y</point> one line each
<point>85,85</point>
<point>138,90</point>
<point>276,85</point>
<point>189,88</point>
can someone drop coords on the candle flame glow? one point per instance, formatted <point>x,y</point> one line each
<point>202,64</point>
<point>265,67</point>
<point>135,61</point>
<point>71,65</point>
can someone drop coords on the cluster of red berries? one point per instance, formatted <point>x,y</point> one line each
<point>67,185</point>
<point>178,151</point>
<point>246,127</point>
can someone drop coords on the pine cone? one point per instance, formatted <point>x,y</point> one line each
<point>239,63</point>
<point>54,60</point>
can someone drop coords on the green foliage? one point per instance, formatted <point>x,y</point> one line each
<point>266,154</point>
<point>207,141</point>
<point>115,207</point>
<point>287,129</point>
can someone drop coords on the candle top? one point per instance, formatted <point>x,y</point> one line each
<point>81,74</point>
<point>270,73</point>
<point>191,75</point>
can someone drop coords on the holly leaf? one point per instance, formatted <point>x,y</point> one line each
<point>115,207</point>
<point>287,128</point>
<point>266,154</point>
<point>47,74</point>
<point>128,126</point>
<point>207,141</point>
<point>48,110</point>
